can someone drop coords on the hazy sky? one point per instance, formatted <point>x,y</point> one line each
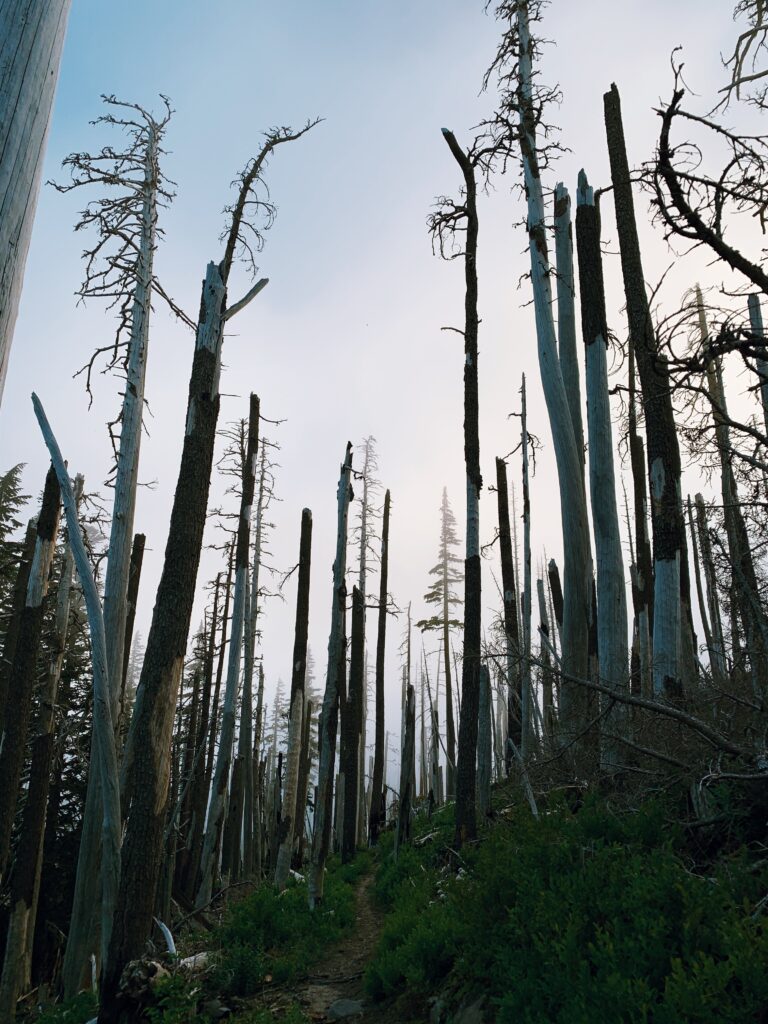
<point>346,339</point>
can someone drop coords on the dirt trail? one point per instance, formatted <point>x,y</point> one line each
<point>338,977</point>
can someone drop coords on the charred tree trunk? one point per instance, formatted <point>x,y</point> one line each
<point>377,819</point>
<point>663,447</point>
<point>24,671</point>
<point>25,880</point>
<point>509,587</point>
<point>217,804</point>
<point>484,743</point>
<point>292,812</point>
<point>333,691</point>
<point>18,602</point>
<point>351,723</point>
<point>466,819</point>
<point>148,772</point>
<point>405,804</point>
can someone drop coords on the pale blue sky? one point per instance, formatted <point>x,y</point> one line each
<point>346,339</point>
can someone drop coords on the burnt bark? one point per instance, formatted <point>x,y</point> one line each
<point>377,786</point>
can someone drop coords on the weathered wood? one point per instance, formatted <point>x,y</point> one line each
<point>484,743</point>
<point>215,821</point>
<point>663,448</point>
<point>574,708</point>
<point>292,813</point>
<point>25,880</point>
<point>612,623</point>
<point>31,40</point>
<point>24,671</point>
<point>466,768</point>
<point>761,362</point>
<point>509,588</point>
<point>377,813</point>
<point>103,732</point>
<point>351,715</point>
<point>333,691</point>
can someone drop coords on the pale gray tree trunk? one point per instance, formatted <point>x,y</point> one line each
<point>31,40</point>
<point>330,710</point>
<point>103,731</point>
<point>566,313</point>
<point>612,624</point>
<point>83,926</point>
<point>710,579</point>
<point>573,506</point>
<point>714,649</point>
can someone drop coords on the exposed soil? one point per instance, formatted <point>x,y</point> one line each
<point>340,974</point>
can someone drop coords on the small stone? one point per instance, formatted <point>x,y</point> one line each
<point>341,1009</point>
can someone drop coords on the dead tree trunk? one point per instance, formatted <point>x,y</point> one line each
<point>405,803</point>
<point>25,880</point>
<point>484,744</point>
<point>377,816</point>
<point>509,587</point>
<point>292,812</point>
<point>105,761</point>
<point>612,625</point>
<point>18,601</point>
<point>663,447</point>
<point>466,821</point>
<point>351,722</point>
<point>333,688</point>
<point>24,671</point>
<point>217,804</point>
<point>31,40</point>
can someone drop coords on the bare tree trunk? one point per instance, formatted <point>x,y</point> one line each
<point>716,660</point>
<point>31,40</point>
<point>350,730</point>
<point>18,601</point>
<point>574,708</point>
<point>405,804</point>
<point>466,820</point>
<point>134,578</point>
<point>333,687</point>
<point>663,448</point>
<point>105,762</point>
<point>24,670</point>
<point>217,804</point>
<point>484,744</point>
<point>25,881</point>
<point>525,685</point>
<point>377,815</point>
<point>293,813</point>
<point>710,578</point>
<point>305,768</point>
<point>612,624</point>
<point>761,363</point>
<point>509,587</point>
<point>148,771</point>
<point>566,313</point>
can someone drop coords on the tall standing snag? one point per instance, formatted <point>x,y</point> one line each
<point>334,688</point>
<point>663,447</point>
<point>611,588</point>
<point>31,40</point>
<point>166,644</point>
<point>377,786</point>
<point>465,215</point>
<point>293,814</point>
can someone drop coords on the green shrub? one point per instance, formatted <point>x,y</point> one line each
<point>271,936</point>
<point>577,918</point>
<point>74,1011</point>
